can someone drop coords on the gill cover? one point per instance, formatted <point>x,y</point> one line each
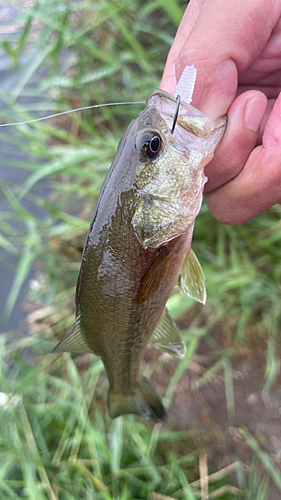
<point>170,180</point>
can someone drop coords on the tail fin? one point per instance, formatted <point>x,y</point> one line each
<point>143,401</point>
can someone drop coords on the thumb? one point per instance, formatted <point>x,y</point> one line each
<point>225,40</point>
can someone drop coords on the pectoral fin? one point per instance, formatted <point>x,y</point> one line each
<point>192,279</point>
<point>167,337</point>
<point>153,277</point>
<point>73,341</point>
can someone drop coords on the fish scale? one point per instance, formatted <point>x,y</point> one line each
<point>139,247</point>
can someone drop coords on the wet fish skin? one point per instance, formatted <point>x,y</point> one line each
<point>137,245</point>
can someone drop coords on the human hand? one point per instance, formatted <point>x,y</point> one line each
<point>236,48</point>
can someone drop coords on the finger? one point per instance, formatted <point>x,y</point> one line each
<point>270,106</point>
<point>225,40</point>
<point>244,119</point>
<point>190,16</point>
<point>258,186</point>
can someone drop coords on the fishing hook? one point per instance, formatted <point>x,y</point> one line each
<point>176,114</point>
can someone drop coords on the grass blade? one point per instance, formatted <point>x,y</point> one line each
<point>22,271</point>
<point>263,457</point>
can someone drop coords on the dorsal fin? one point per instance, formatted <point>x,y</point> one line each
<point>167,337</point>
<point>192,279</point>
<point>73,341</point>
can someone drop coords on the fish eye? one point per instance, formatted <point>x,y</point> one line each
<point>150,144</point>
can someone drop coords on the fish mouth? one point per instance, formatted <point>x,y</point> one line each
<point>163,94</point>
<point>168,103</point>
<point>165,103</point>
<point>189,119</point>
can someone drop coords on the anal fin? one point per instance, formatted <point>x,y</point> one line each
<point>167,337</point>
<point>73,341</point>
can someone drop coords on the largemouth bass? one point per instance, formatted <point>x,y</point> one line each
<point>139,247</point>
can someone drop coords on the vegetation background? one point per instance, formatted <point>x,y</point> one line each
<point>223,439</point>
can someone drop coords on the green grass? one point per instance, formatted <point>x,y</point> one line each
<point>57,441</point>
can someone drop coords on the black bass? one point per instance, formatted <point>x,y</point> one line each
<point>139,247</point>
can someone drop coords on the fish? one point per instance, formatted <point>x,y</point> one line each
<point>138,248</point>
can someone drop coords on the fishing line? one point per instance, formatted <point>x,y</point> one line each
<point>71,111</point>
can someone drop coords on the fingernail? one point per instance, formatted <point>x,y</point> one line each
<point>254,113</point>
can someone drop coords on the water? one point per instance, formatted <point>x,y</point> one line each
<point>14,176</point>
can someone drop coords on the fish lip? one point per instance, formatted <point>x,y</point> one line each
<point>161,93</point>
<point>166,95</point>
